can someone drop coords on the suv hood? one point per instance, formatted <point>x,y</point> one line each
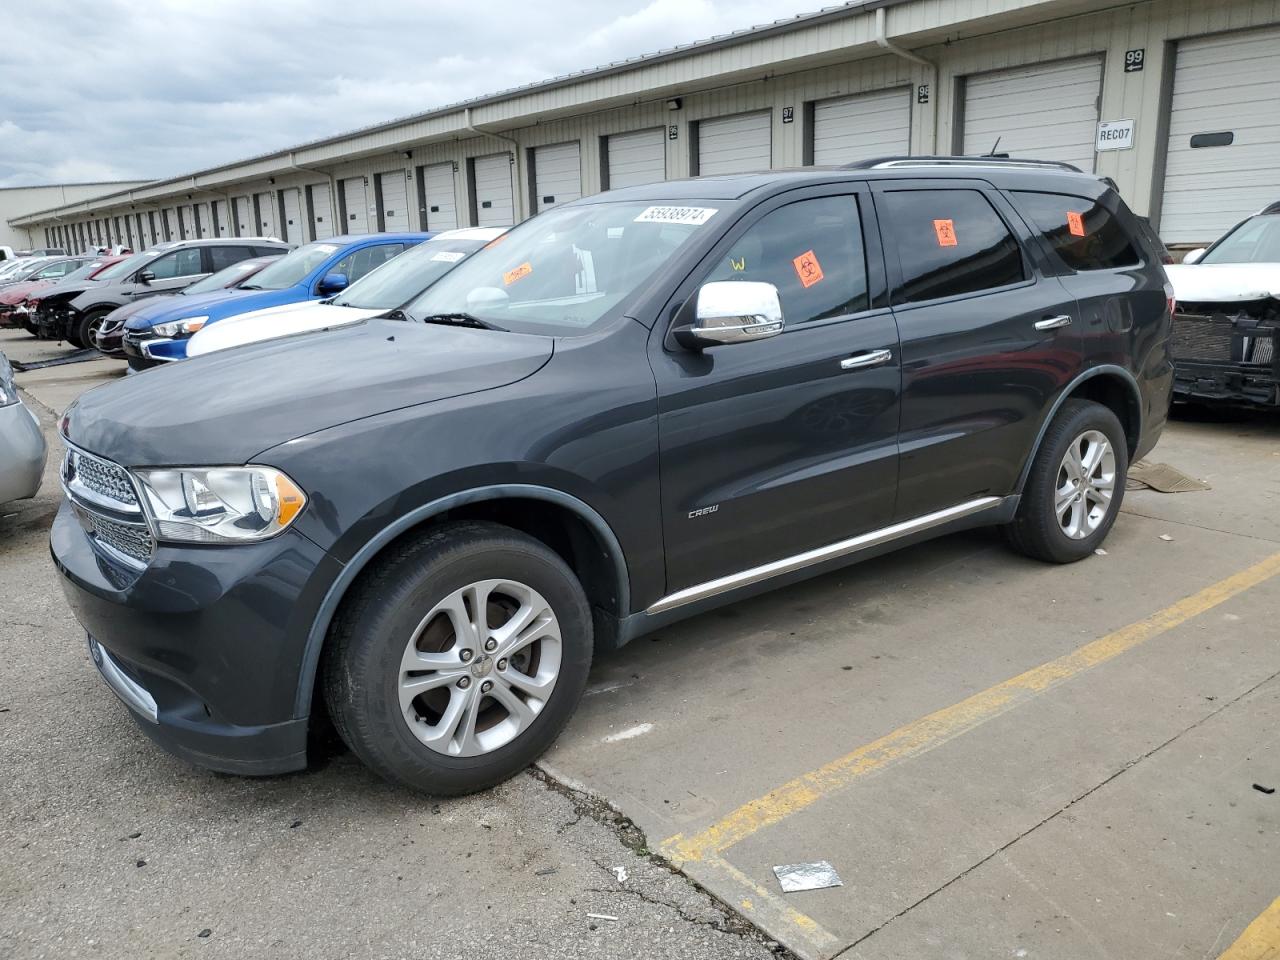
<point>231,406</point>
<point>226,303</point>
<point>69,290</point>
<point>1224,282</point>
<point>149,311</point>
<point>274,322</point>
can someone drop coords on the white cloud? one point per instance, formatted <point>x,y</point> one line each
<point>131,90</point>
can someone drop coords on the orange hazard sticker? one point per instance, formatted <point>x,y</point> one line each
<point>519,273</point>
<point>1075,223</point>
<point>946,231</point>
<point>808,269</point>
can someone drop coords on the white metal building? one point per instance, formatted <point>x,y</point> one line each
<point>16,202</point>
<point>1187,90</point>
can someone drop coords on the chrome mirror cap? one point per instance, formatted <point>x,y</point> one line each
<point>734,311</point>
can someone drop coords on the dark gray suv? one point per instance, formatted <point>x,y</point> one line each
<point>630,409</point>
<point>74,312</point>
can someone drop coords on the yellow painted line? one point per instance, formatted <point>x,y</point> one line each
<point>931,731</point>
<point>1260,940</point>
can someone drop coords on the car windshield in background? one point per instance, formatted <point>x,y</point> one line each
<point>127,265</point>
<point>1257,240</point>
<point>28,270</point>
<point>83,271</point>
<point>568,269</point>
<point>292,267</point>
<point>223,278</point>
<point>397,281</point>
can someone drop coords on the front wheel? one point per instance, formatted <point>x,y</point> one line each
<point>1073,493</point>
<point>459,658</point>
<point>85,333</point>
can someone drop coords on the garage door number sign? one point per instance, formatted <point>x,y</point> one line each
<point>1114,135</point>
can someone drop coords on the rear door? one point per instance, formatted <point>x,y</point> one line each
<point>988,339</point>
<point>778,446</point>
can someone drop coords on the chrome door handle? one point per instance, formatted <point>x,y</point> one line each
<point>1053,323</point>
<point>871,358</point>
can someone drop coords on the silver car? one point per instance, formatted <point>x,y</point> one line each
<point>22,449</point>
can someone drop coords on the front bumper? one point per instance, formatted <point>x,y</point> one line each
<point>22,453</point>
<point>205,645</point>
<point>143,349</point>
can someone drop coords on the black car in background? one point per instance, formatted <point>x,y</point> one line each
<point>76,311</point>
<point>628,410</point>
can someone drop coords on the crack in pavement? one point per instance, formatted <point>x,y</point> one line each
<point>1129,765</point>
<point>1198,526</point>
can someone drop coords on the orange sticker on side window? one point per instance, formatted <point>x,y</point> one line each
<point>519,273</point>
<point>1075,223</point>
<point>946,231</point>
<point>808,269</point>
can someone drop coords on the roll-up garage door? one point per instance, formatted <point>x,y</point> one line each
<point>355,195</point>
<point>187,222</point>
<point>294,228</point>
<point>1224,134</point>
<point>393,191</point>
<point>219,210</point>
<point>204,224</point>
<point>637,157</point>
<point>494,203</point>
<point>265,214</point>
<point>168,225</point>
<point>244,217</point>
<point>862,126</point>
<point>1045,112</point>
<point>321,211</point>
<point>734,144</point>
<point>438,200</point>
<point>557,174</point>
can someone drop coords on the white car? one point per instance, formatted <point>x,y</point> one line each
<point>392,285</point>
<point>1242,266</point>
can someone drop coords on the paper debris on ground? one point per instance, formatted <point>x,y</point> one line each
<point>601,916</point>
<point>1166,537</point>
<point>620,873</point>
<point>807,876</point>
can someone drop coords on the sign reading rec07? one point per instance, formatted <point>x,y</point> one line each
<point>1114,135</point>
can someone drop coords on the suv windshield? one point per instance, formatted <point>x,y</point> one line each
<point>127,265</point>
<point>406,276</point>
<point>568,269</point>
<point>82,271</point>
<point>227,277</point>
<point>1257,240</point>
<point>292,267</point>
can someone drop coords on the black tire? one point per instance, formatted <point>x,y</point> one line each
<point>82,336</point>
<point>1035,530</point>
<point>30,327</point>
<point>361,668</point>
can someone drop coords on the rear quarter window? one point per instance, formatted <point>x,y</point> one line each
<point>1083,233</point>
<point>949,242</point>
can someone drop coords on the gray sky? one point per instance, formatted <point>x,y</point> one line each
<point>122,89</point>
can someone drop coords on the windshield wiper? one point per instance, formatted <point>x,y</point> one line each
<point>460,320</point>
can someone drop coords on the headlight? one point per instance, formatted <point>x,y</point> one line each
<point>220,504</point>
<point>180,328</point>
<point>8,392</point>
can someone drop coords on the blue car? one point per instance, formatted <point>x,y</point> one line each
<point>159,332</point>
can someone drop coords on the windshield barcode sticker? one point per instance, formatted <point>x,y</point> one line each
<point>449,256</point>
<point>693,216</point>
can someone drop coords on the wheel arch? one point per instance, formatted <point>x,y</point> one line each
<point>1112,386</point>
<point>558,519</point>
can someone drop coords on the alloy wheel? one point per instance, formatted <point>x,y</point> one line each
<point>1085,485</point>
<point>480,667</point>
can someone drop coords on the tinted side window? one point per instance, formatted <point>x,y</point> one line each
<point>222,257</point>
<point>357,264</point>
<point>949,242</point>
<point>812,252</point>
<point>180,263</point>
<point>1082,232</point>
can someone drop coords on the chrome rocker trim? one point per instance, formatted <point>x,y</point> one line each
<point>832,551</point>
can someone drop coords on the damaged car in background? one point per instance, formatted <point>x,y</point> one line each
<point>1227,320</point>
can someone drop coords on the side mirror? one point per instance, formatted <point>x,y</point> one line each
<point>1194,255</point>
<point>145,276</point>
<point>333,283</point>
<point>729,311</point>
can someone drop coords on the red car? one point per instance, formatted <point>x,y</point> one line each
<point>18,301</point>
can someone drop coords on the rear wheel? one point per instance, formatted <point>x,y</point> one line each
<point>458,660</point>
<point>1075,487</point>
<point>86,331</point>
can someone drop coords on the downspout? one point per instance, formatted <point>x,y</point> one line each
<point>883,41</point>
<point>333,192</point>
<point>515,157</point>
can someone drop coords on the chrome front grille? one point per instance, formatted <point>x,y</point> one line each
<point>99,481</point>
<point>131,539</point>
<point>107,504</point>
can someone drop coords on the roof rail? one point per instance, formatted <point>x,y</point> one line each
<point>883,163</point>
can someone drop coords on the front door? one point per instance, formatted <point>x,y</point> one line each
<point>172,272</point>
<point>775,447</point>
<point>988,340</point>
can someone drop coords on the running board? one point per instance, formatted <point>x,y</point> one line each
<point>832,551</point>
